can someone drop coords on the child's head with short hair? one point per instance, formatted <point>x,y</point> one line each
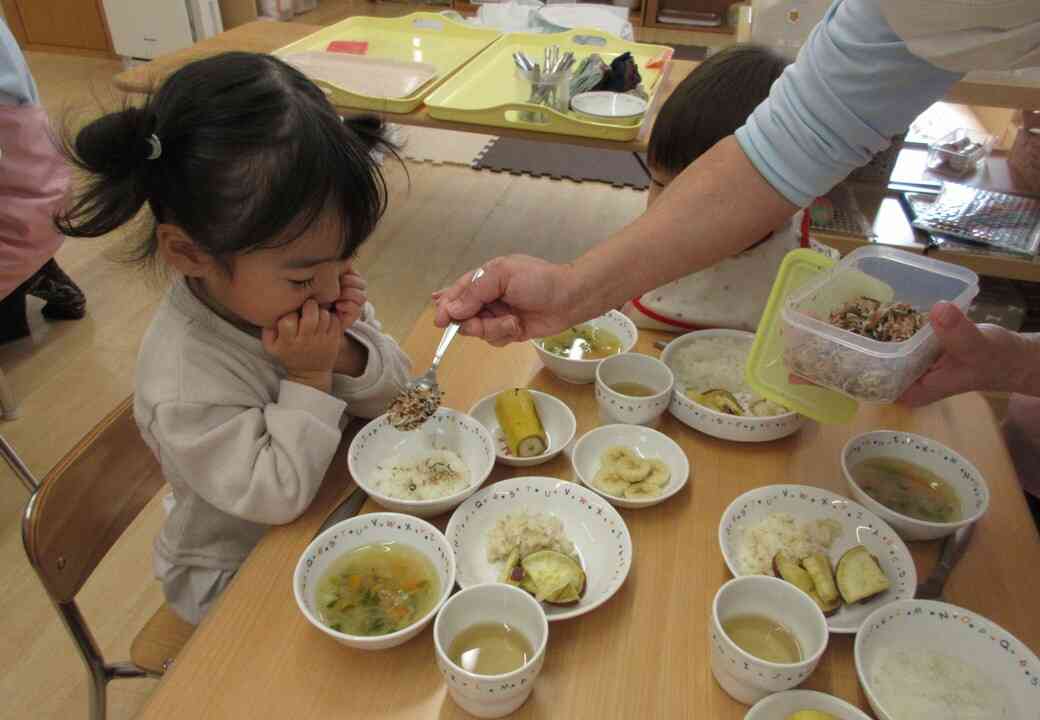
<point>710,104</point>
<point>260,191</point>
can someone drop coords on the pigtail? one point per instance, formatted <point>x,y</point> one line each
<point>373,133</point>
<point>114,151</point>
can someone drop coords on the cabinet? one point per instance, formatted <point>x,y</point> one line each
<point>652,9</point>
<point>59,25</point>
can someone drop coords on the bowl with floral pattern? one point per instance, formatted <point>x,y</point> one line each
<point>602,544</point>
<point>381,458</point>
<point>957,472</point>
<point>925,659</point>
<point>769,422</point>
<point>362,531</point>
<point>810,510</point>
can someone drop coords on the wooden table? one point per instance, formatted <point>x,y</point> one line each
<point>644,654</point>
<point>267,36</point>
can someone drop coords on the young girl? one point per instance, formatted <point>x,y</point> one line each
<point>710,104</point>
<point>264,343</point>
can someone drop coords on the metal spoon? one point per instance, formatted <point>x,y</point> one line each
<point>422,396</point>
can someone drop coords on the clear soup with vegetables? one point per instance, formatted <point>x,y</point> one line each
<point>908,489</point>
<point>377,589</point>
<point>583,342</point>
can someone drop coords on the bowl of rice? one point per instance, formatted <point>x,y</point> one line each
<point>422,472</point>
<point>712,361</point>
<point>919,659</point>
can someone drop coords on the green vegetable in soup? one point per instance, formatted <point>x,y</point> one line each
<point>377,589</point>
<point>583,342</point>
<point>908,489</point>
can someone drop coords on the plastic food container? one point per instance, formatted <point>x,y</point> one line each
<point>860,367</point>
<point>959,152</point>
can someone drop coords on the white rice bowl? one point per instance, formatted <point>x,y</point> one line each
<point>715,359</point>
<point>378,445</point>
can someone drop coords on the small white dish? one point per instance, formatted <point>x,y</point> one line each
<point>743,676</point>
<point>357,532</point>
<point>961,475</point>
<point>584,371</point>
<point>717,424</point>
<point>944,629</point>
<point>611,107</point>
<point>448,429</point>
<point>859,527</point>
<point>558,421</point>
<point>646,443</point>
<point>490,696</point>
<point>599,534</point>
<point>616,407</point>
<point>784,704</point>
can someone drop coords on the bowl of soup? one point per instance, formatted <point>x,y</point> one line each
<point>574,354</point>
<point>922,488</point>
<point>374,581</point>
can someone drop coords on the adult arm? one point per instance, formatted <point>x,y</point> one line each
<point>853,86</point>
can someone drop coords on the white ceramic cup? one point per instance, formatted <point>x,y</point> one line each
<point>490,696</point>
<point>638,368</point>
<point>743,676</point>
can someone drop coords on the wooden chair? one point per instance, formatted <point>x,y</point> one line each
<point>18,467</point>
<point>82,507</point>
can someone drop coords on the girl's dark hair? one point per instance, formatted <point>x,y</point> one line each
<point>252,155</point>
<point>711,104</point>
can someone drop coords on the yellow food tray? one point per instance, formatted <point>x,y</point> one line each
<point>490,90</point>
<point>421,37</point>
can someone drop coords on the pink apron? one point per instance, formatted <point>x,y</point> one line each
<point>33,181</point>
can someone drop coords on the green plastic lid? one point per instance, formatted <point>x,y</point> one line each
<point>766,372</point>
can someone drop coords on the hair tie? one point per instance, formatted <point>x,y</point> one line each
<point>156,147</point>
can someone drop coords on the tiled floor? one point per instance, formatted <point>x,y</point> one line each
<point>69,375</point>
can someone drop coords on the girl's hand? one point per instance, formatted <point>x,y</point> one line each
<point>307,344</point>
<point>352,298</point>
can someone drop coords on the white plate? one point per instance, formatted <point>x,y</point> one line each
<point>599,535</point>
<point>946,629</point>
<point>859,527</point>
<point>609,105</point>
<point>782,705</point>
<point>448,429</point>
<point>557,419</point>
<point>646,443</point>
<point>721,425</point>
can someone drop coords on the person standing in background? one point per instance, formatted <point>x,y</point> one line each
<point>34,180</point>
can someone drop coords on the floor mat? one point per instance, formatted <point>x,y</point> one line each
<point>574,162</point>
<point>440,146</point>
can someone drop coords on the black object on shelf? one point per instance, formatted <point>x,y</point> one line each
<point>671,16</point>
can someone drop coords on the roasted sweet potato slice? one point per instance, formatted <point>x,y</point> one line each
<point>860,577</point>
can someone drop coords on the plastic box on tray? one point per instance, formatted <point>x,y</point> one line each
<point>959,152</point>
<point>857,366</point>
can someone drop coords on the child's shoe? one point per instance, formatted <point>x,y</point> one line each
<point>65,301</point>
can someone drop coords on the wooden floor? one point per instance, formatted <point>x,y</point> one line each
<point>443,220</point>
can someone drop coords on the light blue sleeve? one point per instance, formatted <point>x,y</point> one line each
<point>853,86</point>
<point>16,83</point>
